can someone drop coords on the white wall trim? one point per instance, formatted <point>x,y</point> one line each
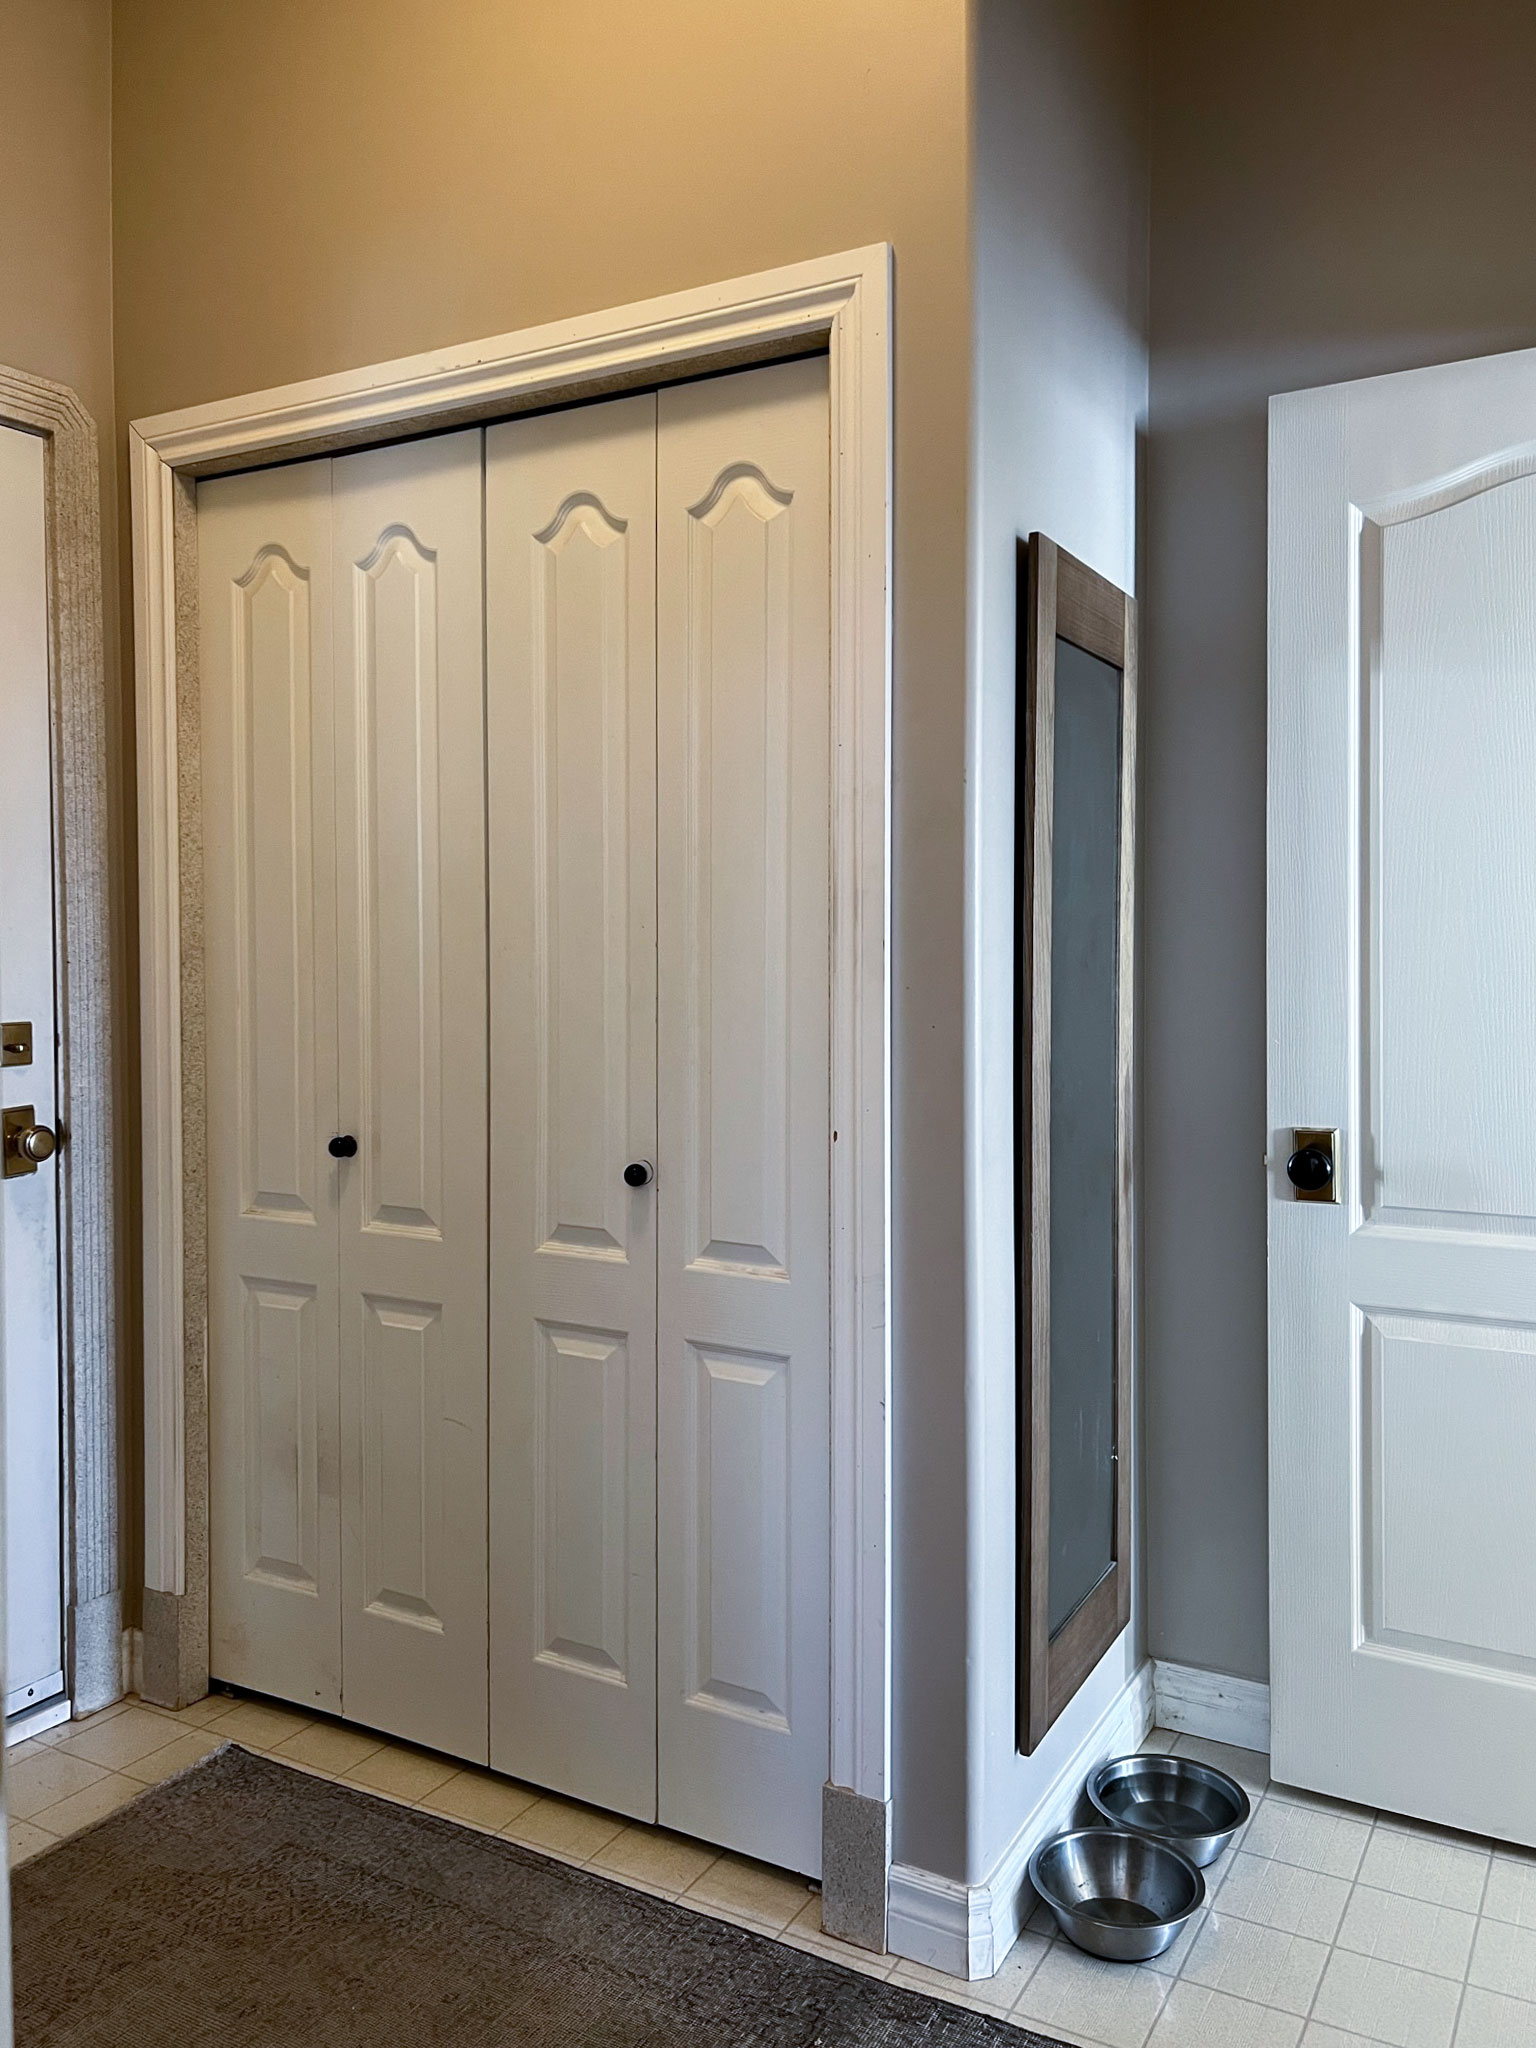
<point>1208,1703</point>
<point>843,298</point>
<point>967,1930</point>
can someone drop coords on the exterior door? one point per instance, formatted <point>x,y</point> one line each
<point>571,641</point>
<point>410,895</point>
<point>29,1200</point>
<point>744,1145</point>
<point>1402,977</point>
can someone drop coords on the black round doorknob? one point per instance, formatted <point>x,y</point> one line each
<point>639,1173</point>
<point>1310,1169</point>
<point>344,1147</point>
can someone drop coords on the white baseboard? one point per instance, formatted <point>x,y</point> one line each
<point>1208,1703</point>
<point>967,1930</point>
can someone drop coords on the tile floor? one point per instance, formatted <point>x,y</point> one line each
<point>1328,1926</point>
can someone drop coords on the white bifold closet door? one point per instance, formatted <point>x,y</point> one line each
<point>659,805</point>
<point>570,502</point>
<point>343,765</point>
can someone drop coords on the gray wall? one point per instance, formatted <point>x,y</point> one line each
<point>1059,235</point>
<point>1337,190</point>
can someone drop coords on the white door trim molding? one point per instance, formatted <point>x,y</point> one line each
<point>87,1097</point>
<point>967,1930</point>
<point>840,301</point>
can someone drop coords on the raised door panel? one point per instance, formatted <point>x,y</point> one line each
<point>744,716</point>
<point>29,1205</point>
<point>1448,603</point>
<point>410,865</point>
<point>570,565</point>
<point>264,556</point>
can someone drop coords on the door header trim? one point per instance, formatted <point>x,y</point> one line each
<point>843,301</point>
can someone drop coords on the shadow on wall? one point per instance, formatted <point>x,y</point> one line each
<point>1340,188</point>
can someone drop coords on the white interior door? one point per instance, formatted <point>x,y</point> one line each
<point>571,640</point>
<point>264,570</point>
<point>411,944</point>
<point>744,1147</point>
<point>1402,976</point>
<point>29,1202</point>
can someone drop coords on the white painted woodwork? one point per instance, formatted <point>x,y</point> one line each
<point>411,941</point>
<point>29,1204</point>
<point>571,723</point>
<point>744,1146</point>
<point>1402,973</point>
<point>270,950</point>
<point>846,299</point>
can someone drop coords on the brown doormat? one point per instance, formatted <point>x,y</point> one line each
<point>247,1905</point>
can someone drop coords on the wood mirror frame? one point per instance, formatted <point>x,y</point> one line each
<point>1061,599</point>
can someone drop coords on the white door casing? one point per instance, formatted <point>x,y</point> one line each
<point>571,723</point>
<point>266,607</point>
<point>410,892</point>
<point>29,1204</point>
<point>1402,977</point>
<point>744,1145</point>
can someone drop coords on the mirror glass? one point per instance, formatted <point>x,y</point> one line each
<point>1085,909</point>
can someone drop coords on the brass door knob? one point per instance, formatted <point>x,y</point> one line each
<point>36,1143</point>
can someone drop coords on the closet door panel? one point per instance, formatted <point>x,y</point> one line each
<point>744,1161</point>
<point>411,893</point>
<point>264,567</point>
<point>570,554</point>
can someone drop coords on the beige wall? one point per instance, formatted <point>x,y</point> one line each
<point>311,187</point>
<point>56,321</point>
<point>1336,191</point>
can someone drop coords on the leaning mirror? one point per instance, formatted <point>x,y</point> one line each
<point>1075,887</point>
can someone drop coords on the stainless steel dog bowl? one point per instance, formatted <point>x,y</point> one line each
<point>1195,1808</point>
<point>1117,1894</point>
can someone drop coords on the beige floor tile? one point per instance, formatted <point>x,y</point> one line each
<point>1315,2035</point>
<point>1504,1959</point>
<point>179,1754</point>
<point>1076,1994</point>
<point>1386,2002</point>
<point>1173,1958</point>
<point>1489,2020</point>
<point>1261,1964</point>
<point>262,1727</point>
<point>1283,1895</point>
<point>203,1713</point>
<point>1445,1870</point>
<point>26,1838</point>
<point>653,1856</point>
<point>1312,1837</point>
<point>1401,1930</point>
<point>81,1809</point>
<point>121,1740</point>
<point>997,1993</point>
<point>561,1827</point>
<point>41,1781</point>
<point>402,1773</point>
<point>1250,1767</point>
<point>767,1896</point>
<point>480,1799</point>
<point>864,1960</point>
<point>1196,2016</point>
<point>325,1746</point>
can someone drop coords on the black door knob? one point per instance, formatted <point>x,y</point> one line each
<point>343,1148</point>
<point>1310,1169</point>
<point>639,1173</point>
